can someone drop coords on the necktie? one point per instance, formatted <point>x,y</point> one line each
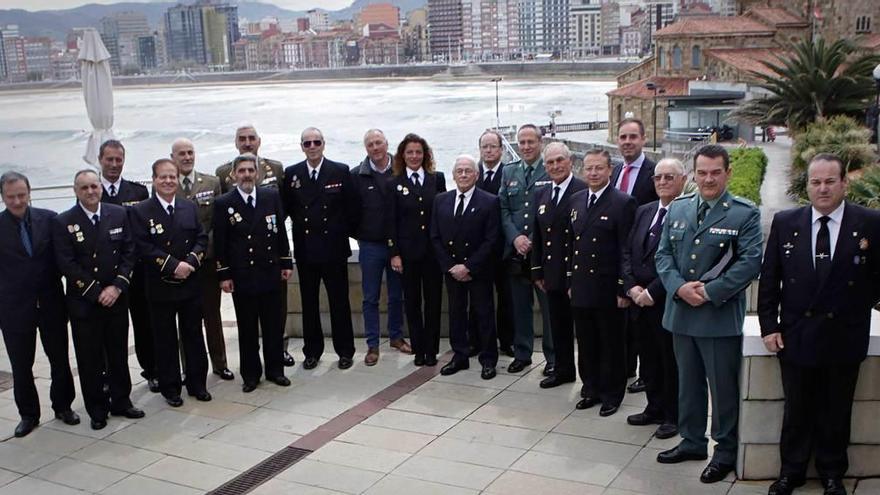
<point>489,175</point>
<point>187,186</point>
<point>95,219</point>
<point>701,212</point>
<point>529,171</point>
<point>459,210</point>
<point>314,175</point>
<point>555,198</point>
<point>823,250</point>
<point>624,180</point>
<point>250,201</point>
<point>25,238</point>
<point>657,228</point>
<point>170,210</point>
<point>592,201</point>
<point>415,180</point>
<point>112,190</point>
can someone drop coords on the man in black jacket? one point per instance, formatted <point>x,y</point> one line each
<point>643,287</point>
<point>820,281</point>
<point>253,254</point>
<point>95,251</point>
<point>119,191</point>
<point>171,243</point>
<point>371,179</point>
<point>323,205</point>
<point>31,296</point>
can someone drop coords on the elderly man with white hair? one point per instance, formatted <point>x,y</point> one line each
<point>465,226</point>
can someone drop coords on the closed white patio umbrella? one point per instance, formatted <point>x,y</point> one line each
<point>97,83</point>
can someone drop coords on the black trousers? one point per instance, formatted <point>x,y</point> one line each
<point>21,346</point>
<point>167,317</point>
<point>422,296</point>
<point>254,312</point>
<point>98,339</point>
<point>335,277</point>
<point>601,344</point>
<point>658,367</point>
<point>144,347</point>
<point>503,310</point>
<point>476,294</point>
<point>633,342</point>
<point>818,408</point>
<point>562,327</point>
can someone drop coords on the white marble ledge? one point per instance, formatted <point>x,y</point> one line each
<point>754,346</point>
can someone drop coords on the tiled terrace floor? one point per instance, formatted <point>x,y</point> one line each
<point>451,435</point>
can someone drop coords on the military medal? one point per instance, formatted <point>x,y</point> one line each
<point>542,209</point>
<point>159,228</point>
<point>76,227</point>
<point>574,215</point>
<point>230,210</point>
<point>863,244</point>
<point>70,229</point>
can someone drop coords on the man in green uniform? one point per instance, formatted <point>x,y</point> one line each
<point>709,252</point>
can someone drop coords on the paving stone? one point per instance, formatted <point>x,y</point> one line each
<point>386,438</point>
<point>515,483</point>
<point>398,485</point>
<point>189,473</point>
<point>34,486</point>
<point>330,476</point>
<point>80,475</point>
<point>359,456</point>
<point>868,387</point>
<point>866,423</point>
<point>567,468</point>
<point>660,483</point>
<point>448,472</point>
<point>141,485</point>
<point>472,452</point>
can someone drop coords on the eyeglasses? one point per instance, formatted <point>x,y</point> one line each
<point>666,177</point>
<point>315,143</point>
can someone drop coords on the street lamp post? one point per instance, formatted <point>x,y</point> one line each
<point>655,88</point>
<point>497,114</point>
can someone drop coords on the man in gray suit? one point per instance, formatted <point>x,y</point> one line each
<point>709,252</point>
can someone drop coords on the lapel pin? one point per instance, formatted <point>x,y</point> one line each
<point>863,244</point>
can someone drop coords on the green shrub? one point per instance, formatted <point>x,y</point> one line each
<point>866,189</point>
<point>749,165</point>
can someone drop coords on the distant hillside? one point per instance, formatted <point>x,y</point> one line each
<point>57,23</point>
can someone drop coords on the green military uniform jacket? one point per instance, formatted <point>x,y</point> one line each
<point>724,252</point>
<point>204,190</point>
<point>269,173</point>
<point>517,199</point>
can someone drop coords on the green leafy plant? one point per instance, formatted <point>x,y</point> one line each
<point>749,166</point>
<point>866,189</point>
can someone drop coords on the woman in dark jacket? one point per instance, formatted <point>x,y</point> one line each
<point>413,188</point>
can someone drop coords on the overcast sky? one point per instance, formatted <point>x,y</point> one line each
<point>66,4</point>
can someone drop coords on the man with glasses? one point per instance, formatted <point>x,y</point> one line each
<point>269,173</point>
<point>643,287</point>
<point>323,205</point>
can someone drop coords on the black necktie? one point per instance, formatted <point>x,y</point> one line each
<point>657,228</point>
<point>250,201</point>
<point>170,210</point>
<point>529,171</point>
<point>555,198</point>
<point>592,201</point>
<point>25,238</point>
<point>823,250</point>
<point>314,175</point>
<point>415,180</point>
<point>701,212</point>
<point>187,185</point>
<point>95,220</point>
<point>112,191</point>
<point>459,210</point>
<point>489,175</point>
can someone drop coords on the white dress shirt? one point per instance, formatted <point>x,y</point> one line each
<point>562,187</point>
<point>467,199</point>
<point>90,214</point>
<point>106,183</point>
<point>244,195</point>
<point>316,169</point>
<point>420,172</point>
<point>635,168</point>
<point>166,204</point>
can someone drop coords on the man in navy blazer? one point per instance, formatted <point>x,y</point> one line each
<point>465,226</point>
<point>820,281</point>
<point>31,296</point>
<point>644,288</point>
<point>95,251</point>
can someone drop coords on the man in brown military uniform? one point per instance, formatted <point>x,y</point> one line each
<point>202,189</point>
<point>269,174</point>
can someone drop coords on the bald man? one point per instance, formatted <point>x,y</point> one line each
<point>202,189</point>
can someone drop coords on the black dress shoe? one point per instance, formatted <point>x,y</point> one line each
<point>473,351</point>
<point>549,369</point>
<point>287,360</point>
<point>453,367</point>
<point>25,426</point>
<point>643,418</point>
<point>833,486</point>
<point>310,363</point>
<point>666,430</point>
<point>419,360</point>
<point>488,373</point>
<point>281,381</point>
<point>98,424</point>
<point>607,410</point>
<point>68,417</point>
<point>518,365</point>
<point>636,386</point>
<point>174,401</point>
<point>153,384</point>
<point>130,413</point>
<point>555,381</point>
<point>224,374</point>
<point>248,387</point>
<point>203,396</point>
<point>507,350</point>
<point>715,472</point>
<point>676,455</point>
<point>431,361</point>
<point>784,486</point>
<point>345,363</point>
<point>587,402</point>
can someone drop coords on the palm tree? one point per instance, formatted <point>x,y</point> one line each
<point>815,81</point>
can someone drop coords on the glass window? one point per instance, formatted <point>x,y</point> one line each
<point>676,58</point>
<point>695,57</point>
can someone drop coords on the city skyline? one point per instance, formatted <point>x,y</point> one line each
<point>37,5</point>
